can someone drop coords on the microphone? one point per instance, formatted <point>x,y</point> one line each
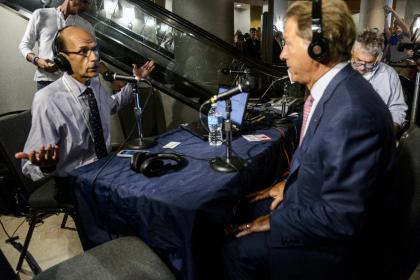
<point>227,71</point>
<point>111,76</point>
<point>272,83</point>
<point>243,86</point>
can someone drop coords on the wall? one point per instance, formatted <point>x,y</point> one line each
<point>16,80</point>
<point>256,12</point>
<point>242,19</point>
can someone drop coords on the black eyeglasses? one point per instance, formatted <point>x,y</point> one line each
<point>368,66</point>
<point>85,52</point>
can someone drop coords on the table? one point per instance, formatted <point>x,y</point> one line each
<point>180,214</point>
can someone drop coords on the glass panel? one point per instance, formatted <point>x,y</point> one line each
<point>189,59</point>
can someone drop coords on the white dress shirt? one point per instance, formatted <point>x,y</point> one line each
<point>60,116</point>
<point>387,84</point>
<point>319,87</point>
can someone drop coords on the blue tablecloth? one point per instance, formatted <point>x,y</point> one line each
<point>180,213</point>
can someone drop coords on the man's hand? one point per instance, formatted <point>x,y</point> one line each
<point>47,65</point>
<point>275,192</point>
<point>258,225</point>
<point>144,70</point>
<point>44,157</point>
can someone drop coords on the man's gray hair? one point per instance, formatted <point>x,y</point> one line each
<point>371,41</point>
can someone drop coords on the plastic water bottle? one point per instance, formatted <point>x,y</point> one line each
<point>215,121</point>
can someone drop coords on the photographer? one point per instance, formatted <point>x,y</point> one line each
<point>400,32</point>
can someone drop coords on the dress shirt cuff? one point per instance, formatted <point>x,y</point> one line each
<point>32,171</point>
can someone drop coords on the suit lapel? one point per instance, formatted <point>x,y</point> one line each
<point>317,115</point>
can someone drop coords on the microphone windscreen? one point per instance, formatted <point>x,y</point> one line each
<point>108,76</point>
<point>225,71</point>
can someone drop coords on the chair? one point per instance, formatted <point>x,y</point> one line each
<point>122,258</point>
<point>408,91</point>
<point>35,199</point>
<point>408,181</point>
<point>118,259</point>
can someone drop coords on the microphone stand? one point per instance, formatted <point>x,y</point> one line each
<point>141,142</point>
<point>230,163</point>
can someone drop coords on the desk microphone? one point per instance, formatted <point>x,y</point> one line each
<point>242,86</point>
<point>227,71</point>
<point>272,83</point>
<point>112,76</point>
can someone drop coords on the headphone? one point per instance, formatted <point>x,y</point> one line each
<point>59,59</point>
<point>151,164</point>
<point>318,49</point>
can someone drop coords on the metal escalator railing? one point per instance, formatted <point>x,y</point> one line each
<point>188,58</point>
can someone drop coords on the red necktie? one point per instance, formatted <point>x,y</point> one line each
<point>306,110</point>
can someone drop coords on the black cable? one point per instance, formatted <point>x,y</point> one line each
<point>14,232</point>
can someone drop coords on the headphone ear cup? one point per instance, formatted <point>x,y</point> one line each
<point>318,49</point>
<point>137,159</point>
<point>152,166</point>
<point>62,63</point>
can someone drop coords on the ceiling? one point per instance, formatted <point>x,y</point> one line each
<point>354,5</point>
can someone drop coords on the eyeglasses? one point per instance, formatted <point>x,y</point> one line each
<point>368,66</point>
<point>85,52</point>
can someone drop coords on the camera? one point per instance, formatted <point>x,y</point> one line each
<point>410,46</point>
<point>387,9</point>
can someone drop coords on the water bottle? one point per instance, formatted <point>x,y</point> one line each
<point>215,121</point>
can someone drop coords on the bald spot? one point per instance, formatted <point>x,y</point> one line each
<point>75,36</point>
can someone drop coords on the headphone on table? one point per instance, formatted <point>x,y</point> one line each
<point>59,59</point>
<point>318,49</point>
<point>151,164</point>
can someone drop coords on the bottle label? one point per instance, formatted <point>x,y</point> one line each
<point>213,120</point>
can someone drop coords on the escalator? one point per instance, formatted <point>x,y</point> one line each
<point>189,59</point>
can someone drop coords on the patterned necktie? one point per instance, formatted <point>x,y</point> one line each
<point>306,110</point>
<point>96,125</point>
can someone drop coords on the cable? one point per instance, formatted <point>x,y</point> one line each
<point>14,232</point>
<point>93,181</point>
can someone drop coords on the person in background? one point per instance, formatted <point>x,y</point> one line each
<point>41,30</point>
<point>252,45</point>
<point>277,46</point>
<point>366,59</point>
<point>333,216</point>
<point>238,39</point>
<point>400,32</point>
<point>71,117</point>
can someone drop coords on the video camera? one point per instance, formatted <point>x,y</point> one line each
<point>410,46</point>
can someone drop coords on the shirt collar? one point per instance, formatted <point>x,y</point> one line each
<point>319,87</point>
<point>76,86</point>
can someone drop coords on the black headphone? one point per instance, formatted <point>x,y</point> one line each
<point>151,164</point>
<point>57,47</point>
<point>318,49</point>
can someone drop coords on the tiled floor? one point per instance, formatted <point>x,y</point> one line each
<point>50,244</point>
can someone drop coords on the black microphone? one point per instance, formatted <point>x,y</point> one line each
<point>227,71</point>
<point>111,76</point>
<point>243,86</point>
<point>272,83</point>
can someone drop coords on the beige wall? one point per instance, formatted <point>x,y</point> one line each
<point>16,80</point>
<point>256,12</point>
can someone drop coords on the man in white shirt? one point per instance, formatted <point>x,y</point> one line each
<point>64,124</point>
<point>366,59</point>
<point>41,30</point>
